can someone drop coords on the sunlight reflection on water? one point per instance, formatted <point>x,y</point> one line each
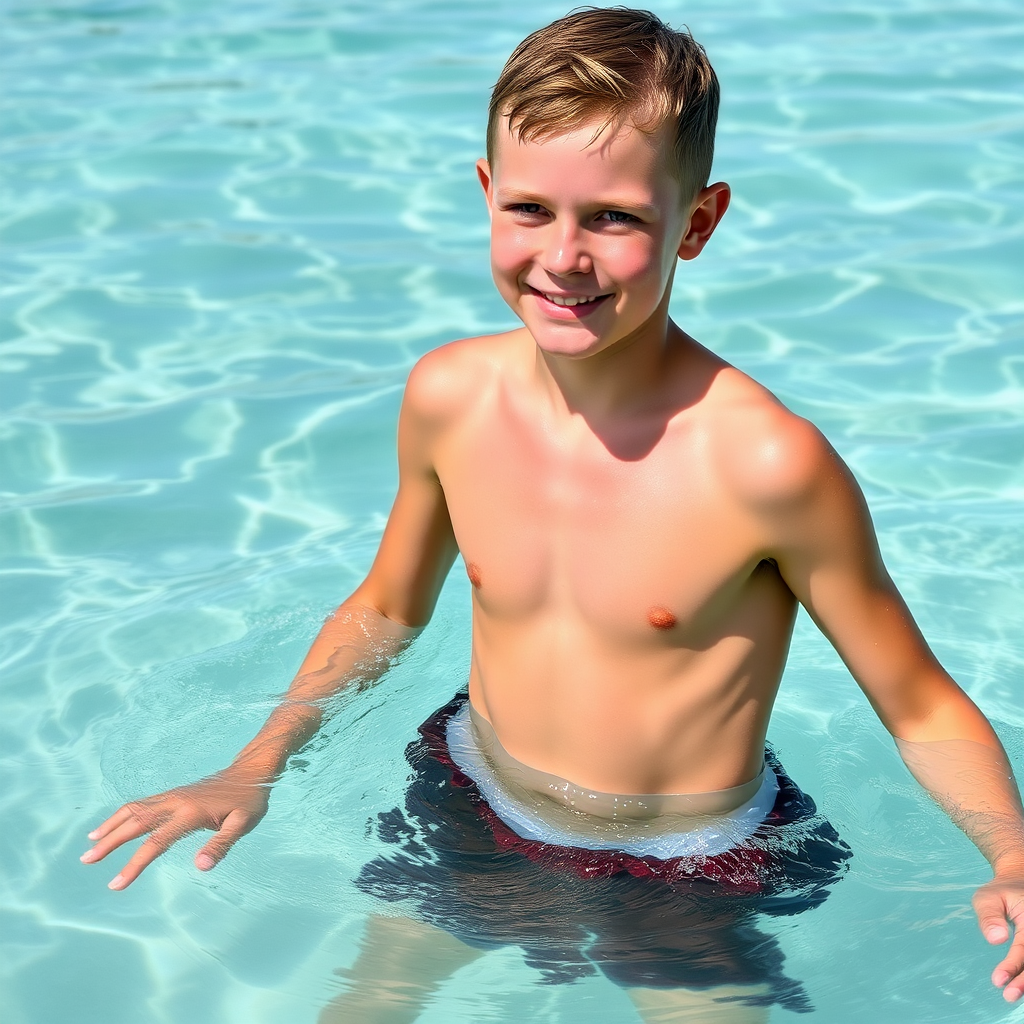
<point>228,230</point>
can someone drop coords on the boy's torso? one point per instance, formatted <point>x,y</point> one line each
<point>628,633</point>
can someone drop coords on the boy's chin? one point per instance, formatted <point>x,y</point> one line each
<point>576,342</point>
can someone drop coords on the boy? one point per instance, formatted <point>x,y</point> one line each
<point>638,520</point>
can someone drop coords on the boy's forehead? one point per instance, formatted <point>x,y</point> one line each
<point>619,157</point>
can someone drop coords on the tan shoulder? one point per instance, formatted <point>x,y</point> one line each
<point>449,381</point>
<point>767,455</point>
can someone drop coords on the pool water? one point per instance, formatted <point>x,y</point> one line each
<point>228,229</point>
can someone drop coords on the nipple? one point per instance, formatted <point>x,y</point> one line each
<point>473,572</point>
<point>661,618</point>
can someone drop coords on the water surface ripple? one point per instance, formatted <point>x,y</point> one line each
<point>226,232</point>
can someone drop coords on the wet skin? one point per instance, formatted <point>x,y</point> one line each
<point>638,519</point>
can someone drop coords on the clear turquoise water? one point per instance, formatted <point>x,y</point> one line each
<point>227,231</point>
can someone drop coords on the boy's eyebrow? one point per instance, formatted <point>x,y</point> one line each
<point>514,195</point>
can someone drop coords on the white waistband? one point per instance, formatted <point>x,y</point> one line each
<point>534,816</point>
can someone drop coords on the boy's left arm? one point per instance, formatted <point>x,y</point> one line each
<point>825,546</point>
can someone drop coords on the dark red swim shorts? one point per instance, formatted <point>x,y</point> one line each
<point>685,922</point>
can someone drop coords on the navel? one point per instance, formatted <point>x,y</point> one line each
<point>661,618</point>
<point>473,572</point>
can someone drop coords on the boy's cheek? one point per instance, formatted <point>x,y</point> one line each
<point>509,252</point>
<point>507,268</point>
<point>501,265</point>
<point>507,283</point>
<point>633,259</point>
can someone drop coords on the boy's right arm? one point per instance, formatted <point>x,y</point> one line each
<point>353,648</point>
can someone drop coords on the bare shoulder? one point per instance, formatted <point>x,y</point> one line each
<point>766,455</point>
<point>448,382</point>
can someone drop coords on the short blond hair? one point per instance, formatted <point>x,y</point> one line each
<point>602,66</point>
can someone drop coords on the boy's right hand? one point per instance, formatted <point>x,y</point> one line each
<point>229,803</point>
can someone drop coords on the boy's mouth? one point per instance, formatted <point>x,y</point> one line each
<point>567,307</point>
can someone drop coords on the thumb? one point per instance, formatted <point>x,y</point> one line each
<point>234,826</point>
<point>991,910</point>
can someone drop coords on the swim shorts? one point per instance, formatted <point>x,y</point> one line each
<point>642,921</point>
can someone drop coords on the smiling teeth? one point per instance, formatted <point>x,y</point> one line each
<point>565,300</point>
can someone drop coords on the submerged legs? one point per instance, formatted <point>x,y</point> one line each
<point>401,964</point>
<point>719,1005</point>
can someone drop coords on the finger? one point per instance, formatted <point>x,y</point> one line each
<point>119,816</point>
<point>235,825</point>
<point>1014,990</point>
<point>131,829</point>
<point>991,910</point>
<point>1010,971</point>
<point>159,842</point>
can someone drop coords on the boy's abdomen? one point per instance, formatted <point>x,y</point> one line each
<point>623,713</point>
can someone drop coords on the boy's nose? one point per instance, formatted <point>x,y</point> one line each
<point>565,252</point>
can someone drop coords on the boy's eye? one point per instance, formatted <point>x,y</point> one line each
<point>618,217</point>
<point>530,209</point>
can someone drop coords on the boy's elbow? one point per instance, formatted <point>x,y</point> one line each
<point>380,615</point>
<point>939,710</point>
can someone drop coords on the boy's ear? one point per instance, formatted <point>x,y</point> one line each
<point>483,172</point>
<point>709,206</point>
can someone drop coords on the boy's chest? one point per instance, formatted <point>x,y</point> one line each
<point>629,544</point>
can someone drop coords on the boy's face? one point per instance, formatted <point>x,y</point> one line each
<point>599,224</point>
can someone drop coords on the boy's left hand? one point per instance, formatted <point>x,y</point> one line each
<point>999,904</point>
